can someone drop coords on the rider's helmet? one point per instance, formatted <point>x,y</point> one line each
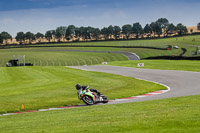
<point>78,86</point>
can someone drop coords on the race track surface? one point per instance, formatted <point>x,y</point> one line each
<point>181,83</point>
<point>130,56</point>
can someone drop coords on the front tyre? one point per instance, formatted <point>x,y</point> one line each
<point>88,100</point>
<point>105,99</point>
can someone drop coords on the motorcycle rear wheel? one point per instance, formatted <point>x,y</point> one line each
<point>88,100</point>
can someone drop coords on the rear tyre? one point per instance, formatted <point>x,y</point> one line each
<point>88,100</point>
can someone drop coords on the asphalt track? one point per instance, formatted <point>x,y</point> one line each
<point>130,56</point>
<point>181,83</point>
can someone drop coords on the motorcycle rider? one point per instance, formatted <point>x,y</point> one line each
<point>80,88</point>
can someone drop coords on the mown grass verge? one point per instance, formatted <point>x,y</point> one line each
<point>44,87</point>
<point>58,57</point>
<point>184,65</point>
<point>181,42</point>
<point>181,115</point>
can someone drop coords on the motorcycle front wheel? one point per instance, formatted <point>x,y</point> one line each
<point>105,99</point>
<point>88,100</point>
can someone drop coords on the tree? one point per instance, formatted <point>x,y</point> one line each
<point>20,37</point>
<point>163,22</point>
<point>104,32</point>
<point>117,31</point>
<point>147,30</point>
<point>137,29</point>
<point>39,36</point>
<point>96,33</point>
<point>156,28</point>
<point>29,36</point>
<point>1,39</point>
<point>53,32</point>
<point>82,32</point>
<point>170,29</point>
<point>49,35</point>
<point>77,33</point>
<point>181,29</point>
<point>6,36</point>
<point>198,26</point>
<point>89,32</point>
<point>85,32</point>
<point>110,31</point>
<point>127,30</point>
<point>60,32</point>
<point>70,32</point>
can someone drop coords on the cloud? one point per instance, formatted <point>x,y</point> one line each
<point>97,13</point>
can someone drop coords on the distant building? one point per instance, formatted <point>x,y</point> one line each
<point>193,29</point>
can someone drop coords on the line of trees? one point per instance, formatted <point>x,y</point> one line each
<point>5,36</point>
<point>161,27</point>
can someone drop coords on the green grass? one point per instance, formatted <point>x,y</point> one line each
<point>58,57</point>
<point>44,87</point>
<point>184,65</point>
<point>175,115</point>
<point>55,56</point>
<point>144,52</point>
<point>182,42</point>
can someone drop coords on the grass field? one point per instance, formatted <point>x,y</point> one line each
<point>182,42</point>
<point>184,65</point>
<point>44,87</point>
<point>177,115</point>
<point>53,86</point>
<point>58,57</point>
<point>70,58</point>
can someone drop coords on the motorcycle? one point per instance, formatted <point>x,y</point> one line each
<point>91,98</point>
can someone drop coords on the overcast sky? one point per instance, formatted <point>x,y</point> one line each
<point>42,15</point>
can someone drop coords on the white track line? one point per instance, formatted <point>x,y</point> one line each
<point>116,100</point>
<point>122,99</point>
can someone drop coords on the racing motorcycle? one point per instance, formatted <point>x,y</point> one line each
<point>91,98</point>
